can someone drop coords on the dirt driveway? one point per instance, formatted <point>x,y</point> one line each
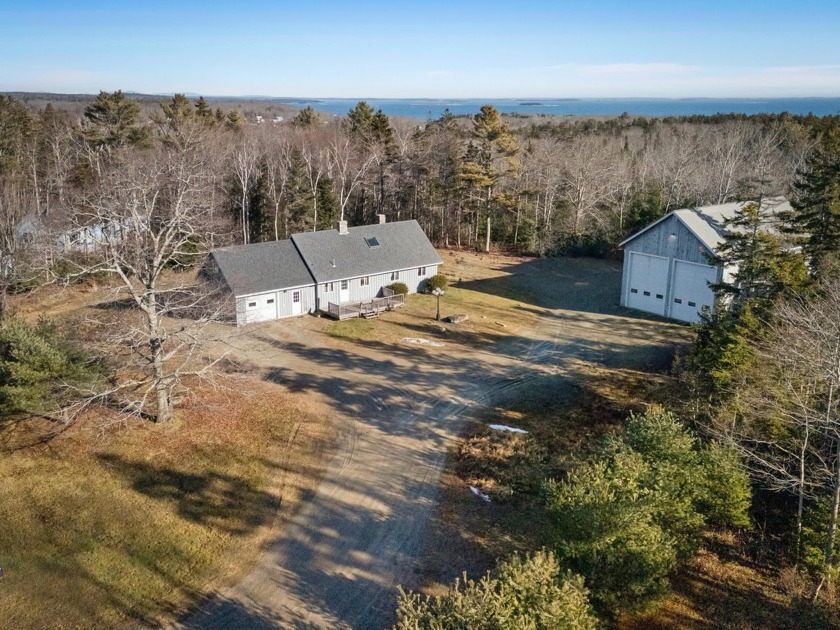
<point>337,562</point>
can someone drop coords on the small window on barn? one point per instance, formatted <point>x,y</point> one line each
<point>329,286</point>
<point>659,296</point>
<point>271,301</point>
<point>372,241</point>
<point>365,281</point>
<point>395,275</point>
<point>692,303</point>
<point>252,305</point>
<point>647,293</point>
<point>345,284</point>
<point>677,300</point>
<point>421,271</point>
<point>634,290</point>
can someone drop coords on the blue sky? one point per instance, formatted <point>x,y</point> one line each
<point>433,49</point>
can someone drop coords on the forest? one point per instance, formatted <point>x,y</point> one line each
<point>758,392</point>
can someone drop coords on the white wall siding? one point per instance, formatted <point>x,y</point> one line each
<point>273,305</point>
<point>416,282</point>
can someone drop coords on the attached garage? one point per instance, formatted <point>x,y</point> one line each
<point>268,280</point>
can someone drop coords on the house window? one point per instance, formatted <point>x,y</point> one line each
<point>252,305</point>
<point>296,297</point>
<point>344,285</point>
<point>329,286</point>
<point>677,300</point>
<point>421,271</point>
<point>271,301</point>
<point>647,293</point>
<point>692,303</point>
<point>659,296</point>
<point>395,275</point>
<point>634,290</point>
<point>365,281</point>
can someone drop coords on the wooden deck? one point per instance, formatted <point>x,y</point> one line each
<point>369,309</point>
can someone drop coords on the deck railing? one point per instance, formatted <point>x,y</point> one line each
<point>373,306</point>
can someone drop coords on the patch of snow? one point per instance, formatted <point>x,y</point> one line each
<point>477,492</point>
<point>423,342</point>
<point>504,427</point>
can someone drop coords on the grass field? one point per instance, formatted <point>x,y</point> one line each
<point>138,523</point>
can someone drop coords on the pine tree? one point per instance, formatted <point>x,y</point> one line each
<point>113,121</point>
<point>816,218</point>
<point>764,267</point>
<point>306,118</point>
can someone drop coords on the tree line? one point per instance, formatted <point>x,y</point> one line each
<point>764,372</point>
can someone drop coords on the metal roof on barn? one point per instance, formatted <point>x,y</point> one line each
<point>262,267</point>
<point>365,250</point>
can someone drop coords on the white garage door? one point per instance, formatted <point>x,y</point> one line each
<point>691,290</point>
<point>260,308</point>
<point>647,283</point>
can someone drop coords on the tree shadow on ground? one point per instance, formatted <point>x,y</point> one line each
<point>576,284</point>
<point>232,505</point>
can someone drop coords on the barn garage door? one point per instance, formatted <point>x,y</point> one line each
<point>691,290</point>
<point>647,283</point>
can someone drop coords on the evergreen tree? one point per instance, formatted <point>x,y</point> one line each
<point>306,118</point>
<point>40,369</point>
<point>816,219</point>
<point>764,267</point>
<point>113,121</point>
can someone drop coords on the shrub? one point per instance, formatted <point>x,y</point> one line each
<point>39,368</point>
<point>526,592</point>
<point>606,531</point>
<point>627,517</point>
<point>400,288</point>
<point>438,281</point>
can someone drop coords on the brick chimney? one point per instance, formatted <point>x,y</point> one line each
<point>342,227</point>
<point>381,218</point>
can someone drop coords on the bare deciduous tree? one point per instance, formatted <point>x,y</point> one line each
<point>149,212</point>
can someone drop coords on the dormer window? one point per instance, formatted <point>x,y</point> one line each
<point>372,241</point>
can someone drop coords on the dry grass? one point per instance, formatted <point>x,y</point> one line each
<point>141,522</point>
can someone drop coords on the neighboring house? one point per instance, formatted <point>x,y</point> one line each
<point>312,270</point>
<point>670,265</point>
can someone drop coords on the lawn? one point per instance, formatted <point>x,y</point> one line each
<point>99,527</point>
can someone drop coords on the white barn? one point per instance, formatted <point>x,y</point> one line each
<point>312,270</point>
<point>670,265</point>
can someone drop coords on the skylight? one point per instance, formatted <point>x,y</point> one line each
<point>372,241</point>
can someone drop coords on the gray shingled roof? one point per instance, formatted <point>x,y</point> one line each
<point>260,267</point>
<point>332,256</point>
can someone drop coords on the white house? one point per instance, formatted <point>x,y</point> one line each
<point>670,265</point>
<point>312,270</point>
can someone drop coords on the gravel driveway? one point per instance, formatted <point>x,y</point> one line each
<point>337,562</point>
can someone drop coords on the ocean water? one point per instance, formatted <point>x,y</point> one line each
<point>425,109</point>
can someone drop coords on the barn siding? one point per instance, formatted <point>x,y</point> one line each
<point>658,241</point>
